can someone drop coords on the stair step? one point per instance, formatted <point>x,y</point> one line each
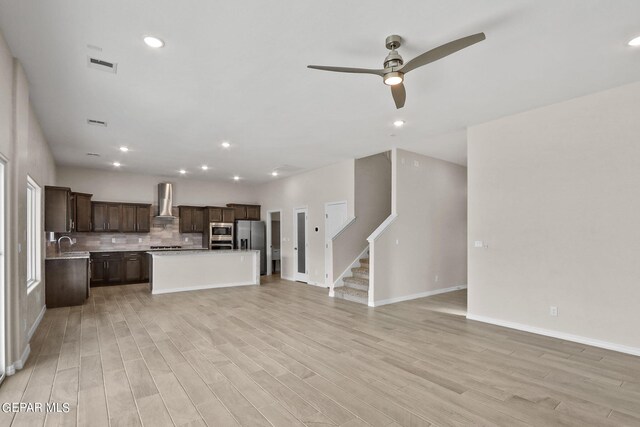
<point>351,294</point>
<point>364,262</point>
<point>356,283</point>
<point>362,272</point>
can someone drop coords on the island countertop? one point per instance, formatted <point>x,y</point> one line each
<point>202,252</point>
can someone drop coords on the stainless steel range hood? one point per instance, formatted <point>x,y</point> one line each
<point>165,201</point>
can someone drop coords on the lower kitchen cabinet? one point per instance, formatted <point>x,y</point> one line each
<point>118,268</point>
<point>66,282</point>
<point>106,268</point>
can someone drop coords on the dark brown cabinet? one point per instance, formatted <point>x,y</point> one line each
<point>105,216</point>
<point>217,214</point>
<point>106,268</point>
<point>136,218</point>
<point>81,212</point>
<point>191,219</point>
<point>67,282</point>
<point>57,209</point>
<point>133,267</point>
<point>245,212</point>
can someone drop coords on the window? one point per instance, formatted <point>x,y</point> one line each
<point>34,233</point>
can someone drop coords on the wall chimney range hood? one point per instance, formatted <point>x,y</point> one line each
<point>165,201</point>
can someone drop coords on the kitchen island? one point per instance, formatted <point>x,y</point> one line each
<point>178,271</point>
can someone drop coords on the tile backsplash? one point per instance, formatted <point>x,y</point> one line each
<point>163,232</point>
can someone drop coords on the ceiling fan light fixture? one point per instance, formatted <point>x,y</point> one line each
<point>393,78</point>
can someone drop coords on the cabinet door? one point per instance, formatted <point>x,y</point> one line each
<point>99,216</point>
<point>240,212</point>
<point>128,218</point>
<point>215,215</point>
<point>144,265</point>
<point>113,217</point>
<point>143,219</point>
<point>132,269</point>
<point>186,219</point>
<point>198,220</point>
<point>57,209</point>
<point>253,212</point>
<point>98,271</point>
<point>114,271</point>
<point>83,212</point>
<point>228,215</point>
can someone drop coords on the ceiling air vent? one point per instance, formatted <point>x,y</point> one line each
<point>96,122</point>
<point>99,64</point>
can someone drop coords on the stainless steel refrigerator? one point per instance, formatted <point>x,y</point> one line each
<point>252,235</point>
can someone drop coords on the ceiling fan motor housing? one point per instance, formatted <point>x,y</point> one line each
<point>393,60</point>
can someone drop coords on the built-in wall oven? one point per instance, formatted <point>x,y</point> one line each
<point>221,235</point>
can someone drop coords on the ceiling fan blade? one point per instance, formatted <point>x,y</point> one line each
<point>347,70</point>
<point>399,95</point>
<point>441,51</point>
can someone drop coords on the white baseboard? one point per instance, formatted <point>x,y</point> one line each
<point>557,334</point>
<point>35,325</point>
<point>416,296</point>
<point>199,288</point>
<point>19,364</point>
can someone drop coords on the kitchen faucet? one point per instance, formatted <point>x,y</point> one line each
<point>64,237</point>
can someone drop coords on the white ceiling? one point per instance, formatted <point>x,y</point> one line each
<point>236,71</point>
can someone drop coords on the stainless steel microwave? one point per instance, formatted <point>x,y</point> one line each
<point>221,231</point>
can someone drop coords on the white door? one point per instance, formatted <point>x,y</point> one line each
<point>300,245</point>
<point>335,216</point>
<point>3,310</point>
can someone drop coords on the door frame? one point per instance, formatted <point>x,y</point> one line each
<point>3,267</point>
<point>328,246</point>
<point>270,243</point>
<point>300,277</point>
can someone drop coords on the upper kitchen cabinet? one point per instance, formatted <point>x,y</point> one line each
<point>106,216</point>
<point>136,218</point>
<point>57,209</point>
<point>81,212</point>
<point>245,212</point>
<point>217,214</point>
<point>191,219</point>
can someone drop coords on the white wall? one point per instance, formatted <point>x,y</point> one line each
<point>428,236</point>
<point>372,205</point>
<point>123,186</point>
<point>25,152</point>
<point>311,189</point>
<point>554,193</point>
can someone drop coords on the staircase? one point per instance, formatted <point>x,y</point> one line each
<point>356,287</point>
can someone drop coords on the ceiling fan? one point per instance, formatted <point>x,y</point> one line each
<point>395,68</point>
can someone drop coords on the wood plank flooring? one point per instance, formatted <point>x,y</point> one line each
<point>284,354</point>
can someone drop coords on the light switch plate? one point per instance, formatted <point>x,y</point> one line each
<point>478,244</point>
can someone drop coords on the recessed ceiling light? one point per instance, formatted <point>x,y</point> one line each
<point>153,42</point>
<point>225,144</point>
<point>205,167</point>
<point>398,123</point>
<point>116,164</point>
<point>182,171</point>
<point>124,149</point>
<point>236,178</point>
<point>274,173</point>
<point>634,42</point>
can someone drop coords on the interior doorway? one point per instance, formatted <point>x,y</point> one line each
<point>335,216</point>
<point>274,239</point>
<point>300,245</point>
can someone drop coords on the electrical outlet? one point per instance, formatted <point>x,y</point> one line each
<point>553,310</point>
<point>416,163</point>
<point>73,240</point>
<point>113,240</point>
<point>436,278</point>
<point>478,244</point>
<point>397,241</point>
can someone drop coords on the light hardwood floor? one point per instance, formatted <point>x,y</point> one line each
<point>284,354</point>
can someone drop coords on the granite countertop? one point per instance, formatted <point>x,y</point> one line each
<point>205,252</point>
<point>144,249</point>
<point>68,255</point>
